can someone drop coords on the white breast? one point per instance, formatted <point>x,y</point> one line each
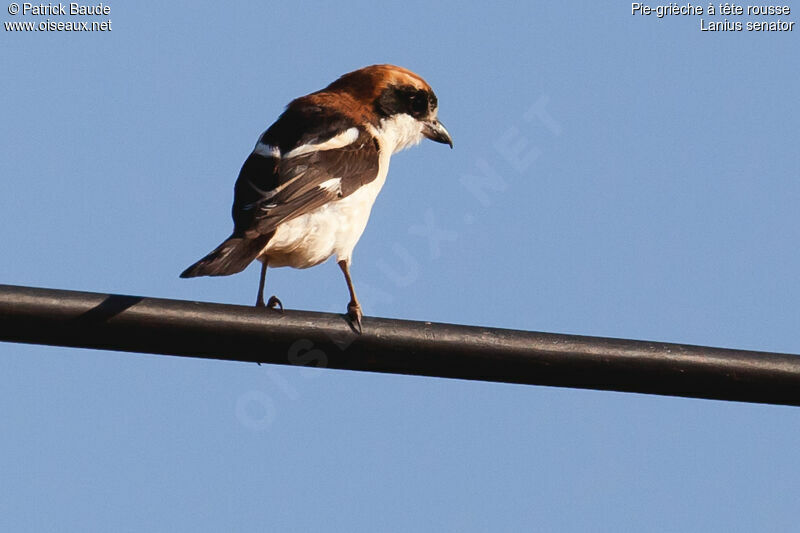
<point>334,229</point>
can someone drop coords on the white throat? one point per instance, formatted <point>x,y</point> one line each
<point>399,132</point>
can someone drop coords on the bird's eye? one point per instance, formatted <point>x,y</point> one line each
<point>419,103</point>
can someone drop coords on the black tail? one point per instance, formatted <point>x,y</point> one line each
<point>230,257</point>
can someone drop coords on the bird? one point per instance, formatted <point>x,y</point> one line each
<point>306,191</point>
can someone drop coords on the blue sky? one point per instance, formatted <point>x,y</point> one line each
<point>652,194</point>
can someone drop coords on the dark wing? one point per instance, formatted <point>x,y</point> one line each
<point>318,168</point>
<point>309,157</point>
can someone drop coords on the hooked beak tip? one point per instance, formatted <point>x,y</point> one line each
<point>435,131</point>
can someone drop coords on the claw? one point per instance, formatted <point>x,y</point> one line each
<point>274,303</point>
<point>355,315</point>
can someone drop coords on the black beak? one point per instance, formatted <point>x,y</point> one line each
<point>435,131</point>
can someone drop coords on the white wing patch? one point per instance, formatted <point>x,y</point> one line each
<point>266,150</point>
<point>348,136</point>
<point>333,184</point>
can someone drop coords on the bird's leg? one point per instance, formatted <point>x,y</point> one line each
<point>273,301</point>
<point>353,308</point>
<point>262,280</point>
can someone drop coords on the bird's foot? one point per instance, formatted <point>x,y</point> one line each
<point>272,303</point>
<point>355,315</point>
<point>275,303</point>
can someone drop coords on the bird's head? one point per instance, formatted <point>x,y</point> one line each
<point>401,105</point>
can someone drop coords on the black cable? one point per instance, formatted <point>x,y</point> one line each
<point>237,333</point>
